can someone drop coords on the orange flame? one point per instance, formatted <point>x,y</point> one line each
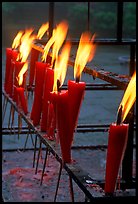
<point>129,97</point>
<point>58,37</point>
<point>61,66</point>
<point>61,33</point>
<point>17,40</point>
<point>85,53</point>
<point>25,46</point>
<point>21,73</point>
<point>42,30</point>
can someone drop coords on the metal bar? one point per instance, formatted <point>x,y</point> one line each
<point>119,21</point>
<point>39,151</point>
<point>88,19</point>
<point>51,18</point>
<point>44,166</point>
<point>59,175</point>
<point>71,189</point>
<point>35,151</point>
<point>98,41</point>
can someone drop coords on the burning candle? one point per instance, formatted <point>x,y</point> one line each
<point>35,53</point>
<point>20,97</point>
<point>11,55</point>
<point>57,40</point>
<point>23,54</point>
<point>76,88</point>
<point>117,139</point>
<point>61,102</point>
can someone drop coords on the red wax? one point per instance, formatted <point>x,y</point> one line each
<point>33,58</point>
<point>48,86</point>
<point>117,141</point>
<point>76,92</point>
<point>10,55</point>
<point>38,92</point>
<point>21,99</point>
<point>51,125</point>
<point>63,125</point>
<point>17,68</point>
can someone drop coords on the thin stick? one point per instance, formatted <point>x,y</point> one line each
<point>38,156</point>
<point>71,189</point>
<point>59,175</point>
<point>4,110</point>
<point>35,150</point>
<point>44,165</point>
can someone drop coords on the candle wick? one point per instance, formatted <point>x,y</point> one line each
<point>58,85</point>
<point>119,115</point>
<point>53,64</point>
<point>77,79</point>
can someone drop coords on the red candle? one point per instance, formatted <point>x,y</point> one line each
<point>17,68</point>
<point>38,92</point>
<point>62,120</point>
<point>48,85</point>
<point>117,141</point>
<point>51,122</point>
<point>10,55</point>
<point>21,100</point>
<point>33,58</point>
<point>76,94</point>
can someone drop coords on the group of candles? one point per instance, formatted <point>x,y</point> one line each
<point>52,107</point>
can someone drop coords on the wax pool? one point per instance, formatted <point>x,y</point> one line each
<point>117,140</point>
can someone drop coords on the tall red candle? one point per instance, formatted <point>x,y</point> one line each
<point>21,100</point>
<point>10,55</point>
<point>62,118</point>
<point>38,92</point>
<point>76,91</point>
<point>17,68</point>
<point>48,85</point>
<point>33,58</point>
<point>117,141</point>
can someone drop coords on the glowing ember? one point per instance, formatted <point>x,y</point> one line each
<point>129,97</point>
<point>25,46</point>
<point>61,66</point>
<point>42,30</point>
<point>21,73</point>
<point>58,37</point>
<point>85,53</point>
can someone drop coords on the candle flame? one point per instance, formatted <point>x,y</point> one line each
<point>17,40</point>
<point>57,38</point>
<point>61,66</point>
<point>25,46</point>
<point>21,73</point>
<point>44,27</point>
<point>85,53</point>
<point>60,36</point>
<point>129,97</point>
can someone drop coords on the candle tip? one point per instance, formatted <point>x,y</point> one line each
<point>119,115</point>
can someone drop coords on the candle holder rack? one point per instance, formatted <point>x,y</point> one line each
<point>92,189</point>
